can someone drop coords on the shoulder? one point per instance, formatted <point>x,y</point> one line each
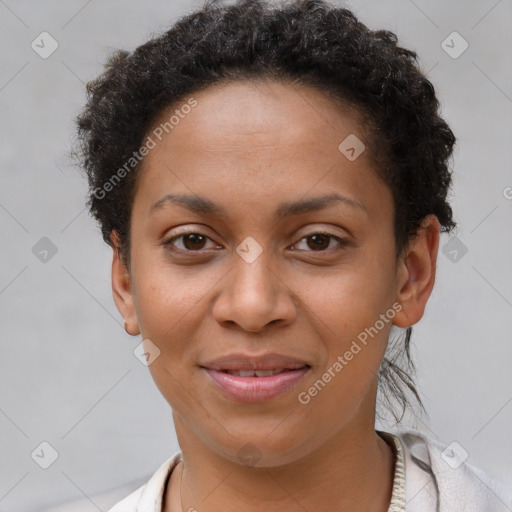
<point>128,504</point>
<point>438,477</point>
<point>148,497</point>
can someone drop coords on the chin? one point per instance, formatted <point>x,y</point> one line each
<point>262,448</point>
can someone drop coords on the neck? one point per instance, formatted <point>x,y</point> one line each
<point>351,471</point>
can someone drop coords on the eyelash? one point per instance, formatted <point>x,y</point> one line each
<point>342,242</point>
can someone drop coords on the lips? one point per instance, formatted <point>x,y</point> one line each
<point>243,362</point>
<point>255,373</point>
<point>253,379</point>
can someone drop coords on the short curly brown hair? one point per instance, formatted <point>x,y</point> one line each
<point>308,42</point>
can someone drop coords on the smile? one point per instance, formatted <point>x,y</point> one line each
<point>254,373</point>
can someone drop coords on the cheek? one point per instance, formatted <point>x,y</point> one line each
<point>166,300</point>
<point>169,311</point>
<point>347,298</point>
<point>353,314</point>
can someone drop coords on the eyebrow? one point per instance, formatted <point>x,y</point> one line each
<point>204,206</point>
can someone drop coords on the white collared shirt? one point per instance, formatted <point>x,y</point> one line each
<point>429,477</point>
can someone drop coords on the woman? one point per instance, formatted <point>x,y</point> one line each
<point>273,182</point>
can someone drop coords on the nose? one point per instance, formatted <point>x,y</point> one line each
<point>254,295</point>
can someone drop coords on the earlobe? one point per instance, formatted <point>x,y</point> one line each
<point>417,272</point>
<point>122,290</point>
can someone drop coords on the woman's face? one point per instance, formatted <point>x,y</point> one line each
<point>272,267</point>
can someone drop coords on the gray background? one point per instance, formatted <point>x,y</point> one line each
<point>68,375</point>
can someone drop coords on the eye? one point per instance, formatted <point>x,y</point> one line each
<point>320,242</point>
<point>191,241</point>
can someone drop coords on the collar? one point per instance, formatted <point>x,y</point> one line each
<point>398,496</point>
<point>151,499</point>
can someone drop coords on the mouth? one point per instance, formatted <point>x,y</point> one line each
<point>254,378</point>
<point>262,373</point>
<point>252,362</point>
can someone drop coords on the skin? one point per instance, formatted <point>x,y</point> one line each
<point>248,146</point>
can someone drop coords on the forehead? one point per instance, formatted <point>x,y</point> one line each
<point>255,142</point>
<point>261,110</point>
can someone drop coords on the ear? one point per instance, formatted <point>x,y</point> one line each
<point>417,272</point>
<point>122,288</point>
